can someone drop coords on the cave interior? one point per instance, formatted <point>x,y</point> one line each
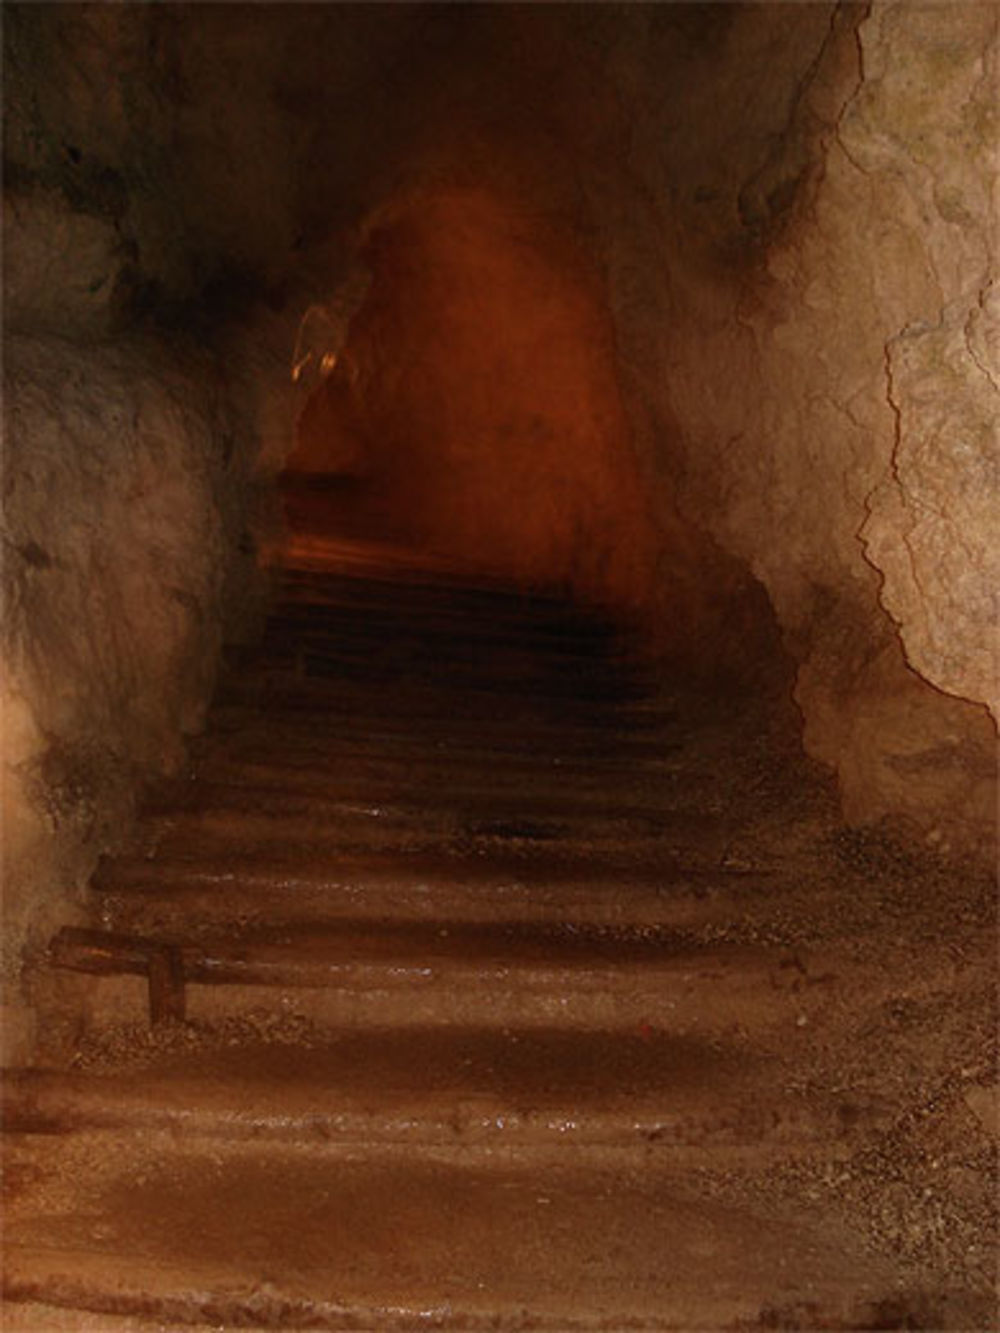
<point>499,640</point>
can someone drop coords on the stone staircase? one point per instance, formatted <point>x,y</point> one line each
<point>448,993</point>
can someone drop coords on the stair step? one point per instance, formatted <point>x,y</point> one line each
<point>510,807</point>
<point>552,721</point>
<point>647,1095</point>
<point>493,602</point>
<point>335,667</point>
<point>411,719</point>
<point>386,886</point>
<point>484,649</point>
<point>414,974</point>
<point>348,826</point>
<point>431,884</point>
<point>537,652</point>
<point>257,759</point>
<point>419,704</point>
<point>286,1239</point>
<point>523,736</point>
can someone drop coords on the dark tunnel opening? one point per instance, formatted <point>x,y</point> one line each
<point>499,804</point>
<point>476,395</point>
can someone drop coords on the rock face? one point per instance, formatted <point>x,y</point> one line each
<point>776,297</point>
<point>817,343</point>
<point>126,460</point>
<point>121,548</point>
<point>932,527</point>
<point>923,131</point>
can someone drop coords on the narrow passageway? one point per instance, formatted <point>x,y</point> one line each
<point>476,977</point>
<point>498,771</point>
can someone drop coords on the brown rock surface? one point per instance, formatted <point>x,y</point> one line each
<point>818,356</point>
<point>117,563</point>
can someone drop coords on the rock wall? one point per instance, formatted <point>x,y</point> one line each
<point>804,299</point>
<point>119,543</point>
<point>128,450</point>
<point>794,209</point>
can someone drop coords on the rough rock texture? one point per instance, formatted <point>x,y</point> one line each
<point>932,528</point>
<point>816,343</point>
<point>120,551</point>
<point>125,467</point>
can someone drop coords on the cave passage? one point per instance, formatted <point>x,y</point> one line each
<point>474,409</point>
<point>499,781</point>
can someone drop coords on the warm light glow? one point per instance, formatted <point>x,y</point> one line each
<point>316,333</point>
<point>476,395</point>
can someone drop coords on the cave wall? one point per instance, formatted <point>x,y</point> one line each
<point>121,546</point>
<point>804,297</point>
<point>127,461</point>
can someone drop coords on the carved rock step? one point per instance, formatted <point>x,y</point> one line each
<point>257,686</point>
<point>447,667</point>
<point>291,1239</point>
<point>457,640</point>
<point>266,752</point>
<point>167,894</point>
<point>514,722</point>
<point>358,826</point>
<point>489,604</point>
<point>649,1097</point>
<point>412,974</point>
<point>509,805</point>
<point>423,705</point>
<point>468,742</point>
<point>570,696</point>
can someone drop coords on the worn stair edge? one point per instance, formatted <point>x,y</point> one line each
<point>691,1271</point>
<point>65,1280</point>
<point>700,1119</point>
<point>455,970</point>
<point>457,807</point>
<point>383,887</point>
<point>113,1001</point>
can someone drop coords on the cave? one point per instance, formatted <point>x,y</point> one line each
<point>499,665</point>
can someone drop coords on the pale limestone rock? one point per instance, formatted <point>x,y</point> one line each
<point>925,128</point>
<point>818,374</point>
<point>934,523</point>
